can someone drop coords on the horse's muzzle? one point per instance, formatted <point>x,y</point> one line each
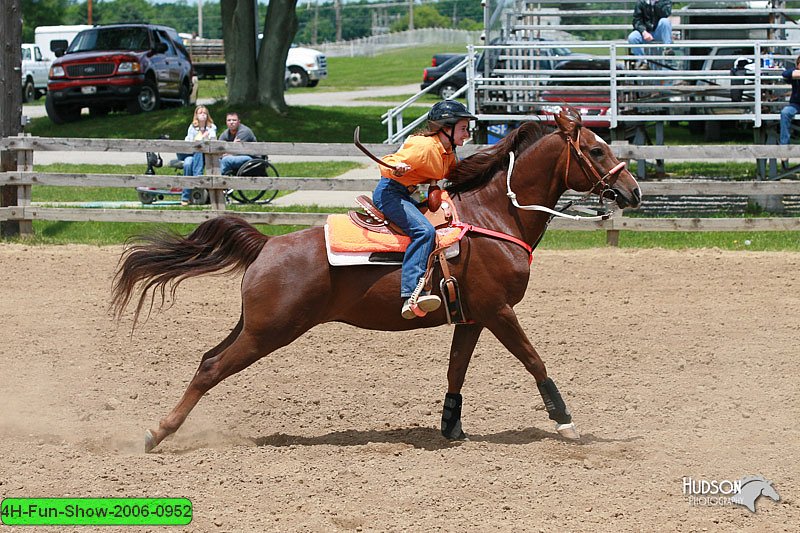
<point>627,199</point>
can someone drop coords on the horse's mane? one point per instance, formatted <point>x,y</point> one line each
<point>478,169</point>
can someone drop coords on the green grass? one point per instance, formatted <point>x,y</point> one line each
<point>49,193</point>
<point>398,67</point>
<point>676,240</point>
<point>300,124</point>
<point>108,233</point>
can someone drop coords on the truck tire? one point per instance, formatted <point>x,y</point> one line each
<point>313,83</point>
<point>28,91</point>
<point>297,77</point>
<point>61,114</point>
<point>186,94</point>
<point>447,90</point>
<point>147,100</point>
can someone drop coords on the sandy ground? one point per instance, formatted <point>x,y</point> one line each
<point>675,364</point>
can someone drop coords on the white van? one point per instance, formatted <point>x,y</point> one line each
<point>45,35</point>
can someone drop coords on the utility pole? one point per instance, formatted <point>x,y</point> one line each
<point>89,8</point>
<point>338,9</point>
<point>200,18</point>
<point>10,101</point>
<point>316,23</point>
<point>410,14</point>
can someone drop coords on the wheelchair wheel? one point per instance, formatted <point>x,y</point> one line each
<point>254,196</point>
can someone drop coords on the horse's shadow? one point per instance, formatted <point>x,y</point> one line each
<point>426,438</point>
<point>421,437</point>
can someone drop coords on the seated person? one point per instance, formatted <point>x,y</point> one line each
<point>651,22</point>
<point>791,75</point>
<point>236,132</point>
<point>201,128</point>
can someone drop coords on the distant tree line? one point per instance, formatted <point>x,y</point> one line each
<point>317,21</point>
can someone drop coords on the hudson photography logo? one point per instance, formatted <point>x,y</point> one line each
<point>725,492</point>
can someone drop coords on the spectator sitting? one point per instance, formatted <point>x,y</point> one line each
<point>651,22</point>
<point>202,128</point>
<point>791,75</point>
<point>236,132</point>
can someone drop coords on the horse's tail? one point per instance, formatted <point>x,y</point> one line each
<point>224,244</point>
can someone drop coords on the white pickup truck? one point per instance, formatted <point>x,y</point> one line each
<point>34,72</point>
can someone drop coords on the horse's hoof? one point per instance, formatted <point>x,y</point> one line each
<point>568,431</point>
<point>149,441</point>
<point>460,437</point>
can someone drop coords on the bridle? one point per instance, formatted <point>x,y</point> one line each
<point>590,173</point>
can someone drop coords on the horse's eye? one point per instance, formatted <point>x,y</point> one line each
<point>597,152</point>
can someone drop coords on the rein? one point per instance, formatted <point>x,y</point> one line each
<point>603,181</point>
<point>586,166</point>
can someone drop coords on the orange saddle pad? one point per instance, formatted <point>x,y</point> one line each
<point>344,236</point>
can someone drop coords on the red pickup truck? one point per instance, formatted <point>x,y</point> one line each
<point>118,67</point>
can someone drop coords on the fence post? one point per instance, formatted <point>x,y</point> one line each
<point>24,164</point>
<point>217,196</point>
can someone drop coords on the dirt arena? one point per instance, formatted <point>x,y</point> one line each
<point>674,363</point>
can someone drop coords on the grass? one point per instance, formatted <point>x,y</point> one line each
<point>49,193</point>
<point>300,124</point>
<point>676,240</point>
<point>110,233</point>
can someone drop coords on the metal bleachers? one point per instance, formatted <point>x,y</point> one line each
<point>509,79</point>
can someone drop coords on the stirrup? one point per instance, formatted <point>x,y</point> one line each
<point>420,308</point>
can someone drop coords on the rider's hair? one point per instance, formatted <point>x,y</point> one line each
<point>209,120</point>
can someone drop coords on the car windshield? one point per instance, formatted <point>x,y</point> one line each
<point>135,39</point>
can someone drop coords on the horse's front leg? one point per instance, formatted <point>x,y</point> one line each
<point>505,326</point>
<point>465,337</point>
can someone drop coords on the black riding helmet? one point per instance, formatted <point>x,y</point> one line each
<point>448,113</point>
<point>444,116</point>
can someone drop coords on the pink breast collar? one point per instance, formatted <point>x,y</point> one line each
<point>465,228</point>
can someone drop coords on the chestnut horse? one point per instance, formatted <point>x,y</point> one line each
<point>288,286</point>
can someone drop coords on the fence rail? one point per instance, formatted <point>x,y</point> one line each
<point>25,177</point>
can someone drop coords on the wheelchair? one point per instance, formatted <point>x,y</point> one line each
<point>256,167</point>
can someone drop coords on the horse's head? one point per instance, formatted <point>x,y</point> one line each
<point>592,166</point>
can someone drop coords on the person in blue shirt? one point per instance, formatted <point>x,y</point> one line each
<point>792,76</point>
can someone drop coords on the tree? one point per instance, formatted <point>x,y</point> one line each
<point>238,31</point>
<point>10,103</point>
<point>280,26</point>
<point>250,80</point>
<point>425,16</point>
<point>40,13</point>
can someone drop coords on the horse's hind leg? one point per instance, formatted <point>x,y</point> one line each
<point>508,331</point>
<point>237,329</point>
<point>465,337</point>
<point>240,353</point>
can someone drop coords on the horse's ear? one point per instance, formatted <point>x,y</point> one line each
<point>567,122</point>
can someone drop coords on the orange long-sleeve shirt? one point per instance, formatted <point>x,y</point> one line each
<point>427,158</point>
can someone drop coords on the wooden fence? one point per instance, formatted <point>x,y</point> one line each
<point>25,177</point>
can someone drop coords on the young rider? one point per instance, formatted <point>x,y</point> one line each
<point>424,158</point>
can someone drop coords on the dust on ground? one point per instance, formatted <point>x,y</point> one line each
<point>674,363</point>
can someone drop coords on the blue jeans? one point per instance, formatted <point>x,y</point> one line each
<point>192,166</point>
<point>662,33</point>
<point>231,163</point>
<point>787,114</point>
<point>394,200</point>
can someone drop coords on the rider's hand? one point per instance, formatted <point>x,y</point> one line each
<point>401,169</point>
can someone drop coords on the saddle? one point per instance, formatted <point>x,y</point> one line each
<point>373,220</point>
<point>371,233</point>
